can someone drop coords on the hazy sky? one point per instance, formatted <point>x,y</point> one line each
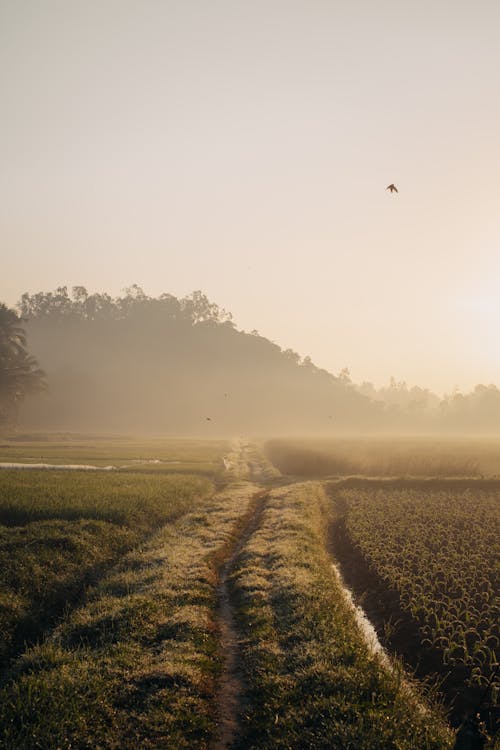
<point>243,147</point>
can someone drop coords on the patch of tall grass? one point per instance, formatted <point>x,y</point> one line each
<point>384,457</point>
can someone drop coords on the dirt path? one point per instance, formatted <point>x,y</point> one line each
<point>246,461</point>
<point>230,694</point>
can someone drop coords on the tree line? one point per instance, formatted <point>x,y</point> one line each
<point>20,374</point>
<point>80,305</point>
<point>135,361</point>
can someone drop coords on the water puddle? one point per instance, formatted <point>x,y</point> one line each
<point>375,647</point>
<point>66,467</point>
<point>364,624</point>
<point>84,467</point>
<point>147,461</point>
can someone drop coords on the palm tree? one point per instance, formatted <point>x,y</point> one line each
<point>19,371</point>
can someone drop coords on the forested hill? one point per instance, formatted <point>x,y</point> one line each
<point>137,363</point>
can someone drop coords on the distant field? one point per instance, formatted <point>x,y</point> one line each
<point>153,455</point>
<point>432,556</point>
<point>418,457</point>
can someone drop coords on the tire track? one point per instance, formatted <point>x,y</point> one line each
<point>231,689</point>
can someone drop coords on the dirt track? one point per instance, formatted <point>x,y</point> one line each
<point>242,465</point>
<point>230,695</point>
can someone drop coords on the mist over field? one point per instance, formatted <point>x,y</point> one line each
<point>249,375</point>
<point>182,367</point>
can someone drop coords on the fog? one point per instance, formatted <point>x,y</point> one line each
<point>138,364</point>
<point>244,148</point>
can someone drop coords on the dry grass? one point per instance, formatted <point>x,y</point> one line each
<point>385,457</point>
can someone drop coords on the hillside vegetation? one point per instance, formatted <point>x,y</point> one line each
<point>173,366</point>
<point>180,366</point>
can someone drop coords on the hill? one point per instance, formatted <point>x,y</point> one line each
<point>137,363</point>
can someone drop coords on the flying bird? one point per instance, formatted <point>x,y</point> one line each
<point>392,187</point>
<point>209,419</point>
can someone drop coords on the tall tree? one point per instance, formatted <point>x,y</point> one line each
<point>19,371</point>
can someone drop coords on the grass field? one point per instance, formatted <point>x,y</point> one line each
<point>136,665</point>
<point>143,608</point>
<point>163,455</point>
<point>417,457</point>
<point>60,530</point>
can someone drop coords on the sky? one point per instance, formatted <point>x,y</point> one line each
<point>243,147</point>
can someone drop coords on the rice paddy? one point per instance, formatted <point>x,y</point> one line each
<point>121,590</point>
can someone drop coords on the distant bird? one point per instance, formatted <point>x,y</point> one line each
<point>209,419</point>
<point>225,395</point>
<point>330,416</point>
<point>392,187</point>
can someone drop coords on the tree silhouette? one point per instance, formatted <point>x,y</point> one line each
<point>19,371</point>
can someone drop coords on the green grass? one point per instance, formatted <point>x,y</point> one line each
<point>136,665</point>
<point>311,681</point>
<point>59,531</point>
<point>134,499</point>
<point>175,455</point>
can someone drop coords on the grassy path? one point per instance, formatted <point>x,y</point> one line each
<point>231,687</point>
<point>312,682</point>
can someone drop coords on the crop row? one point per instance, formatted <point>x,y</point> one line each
<point>439,551</point>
